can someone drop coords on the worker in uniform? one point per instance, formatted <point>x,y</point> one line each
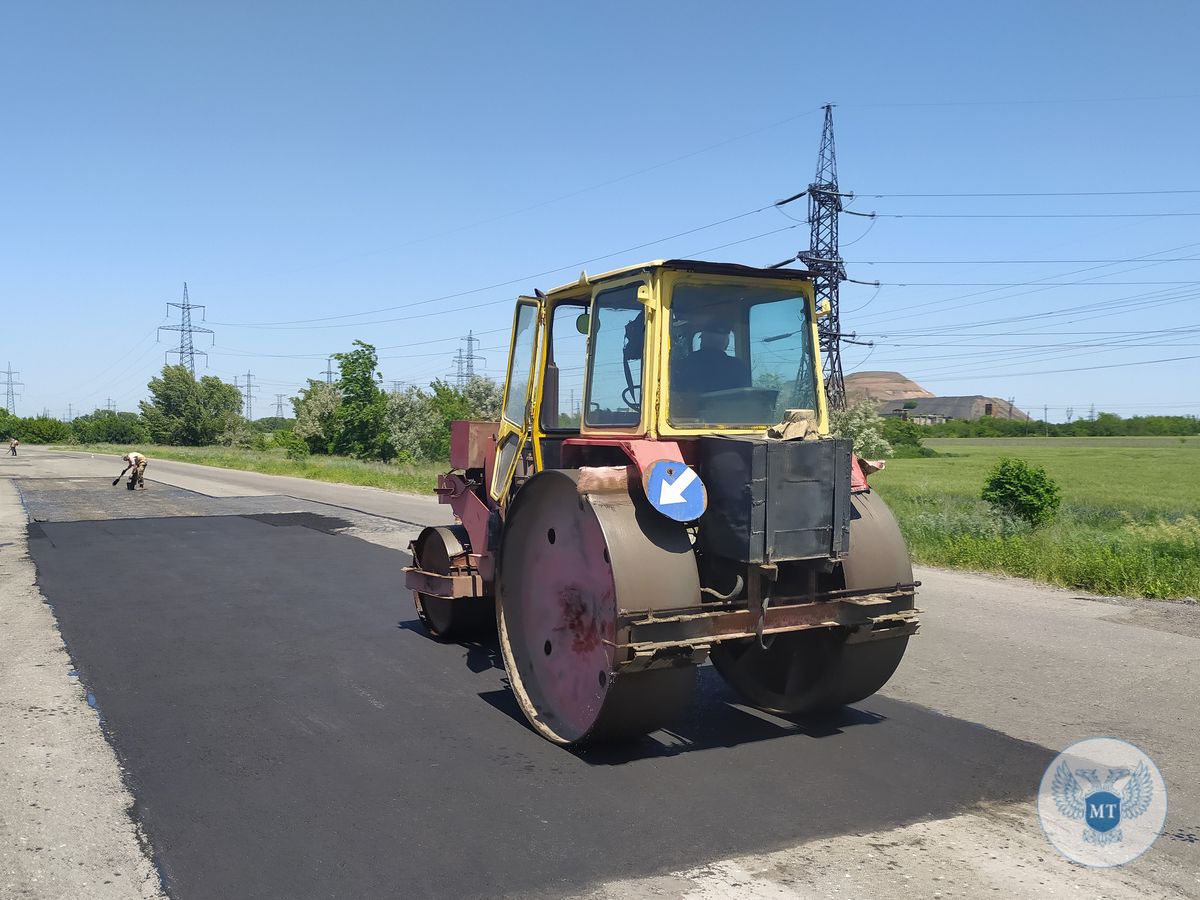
<point>136,466</point>
<point>12,446</point>
<point>710,368</point>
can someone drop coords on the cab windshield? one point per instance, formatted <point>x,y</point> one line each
<point>741,354</point>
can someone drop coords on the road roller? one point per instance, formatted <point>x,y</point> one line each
<point>662,491</point>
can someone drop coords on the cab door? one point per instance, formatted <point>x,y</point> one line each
<point>520,390</point>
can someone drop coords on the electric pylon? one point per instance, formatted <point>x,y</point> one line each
<point>249,398</point>
<point>279,406</point>
<point>458,368</point>
<point>825,262</point>
<point>187,352</point>
<point>469,359</point>
<point>10,398</point>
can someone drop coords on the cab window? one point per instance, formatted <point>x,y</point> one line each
<point>618,336</point>
<point>520,363</point>
<point>741,353</point>
<point>566,362</point>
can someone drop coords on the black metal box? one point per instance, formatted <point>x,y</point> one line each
<point>775,501</point>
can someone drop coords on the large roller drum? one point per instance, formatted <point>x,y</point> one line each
<point>816,670</point>
<point>569,564</point>
<point>440,550</point>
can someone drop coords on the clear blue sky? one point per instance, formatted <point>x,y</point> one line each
<point>298,161</point>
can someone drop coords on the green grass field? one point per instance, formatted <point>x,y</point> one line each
<point>420,478</point>
<point>1128,523</point>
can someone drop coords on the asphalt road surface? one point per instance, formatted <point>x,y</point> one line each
<point>285,728</point>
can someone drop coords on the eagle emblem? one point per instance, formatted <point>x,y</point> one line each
<point>1099,806</point>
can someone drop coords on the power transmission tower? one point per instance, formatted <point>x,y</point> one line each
<point>458,369</point>
<point>187,352</point>
<point>396,385</point>
<point>70,413</point>
<point>110,405</point>
<point>825,262</point>
<point>249,398</point>
<point>329,370</point>
<point>279,406</point>
<point>10,398</point>
<point>1070,414</point>
<point>469,360</point>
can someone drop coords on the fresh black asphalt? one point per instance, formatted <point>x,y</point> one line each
<point>288,730</point>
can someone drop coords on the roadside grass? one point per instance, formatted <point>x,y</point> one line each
<point>1128,524</point>
<point>416,478</point>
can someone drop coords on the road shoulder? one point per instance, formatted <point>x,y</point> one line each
<point>67,830</point>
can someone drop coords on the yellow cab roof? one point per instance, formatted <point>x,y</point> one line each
<point>683,265</point>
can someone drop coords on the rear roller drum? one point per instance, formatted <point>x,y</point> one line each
<point>568,563</point>
<point>440,550</point>
<point>816,670</point>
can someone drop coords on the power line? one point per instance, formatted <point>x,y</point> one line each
<point>1147,362</point>
<point>1088,283</point>
<point>608,182</point>
<point>1037,101</point>
<point>1010,262</point>
<point>1031,194</point>
<point>523,278</point>
<point>459,309</point>
<point>1039,285</point>
<point>1158,215</point>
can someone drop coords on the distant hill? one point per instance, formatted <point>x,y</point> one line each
<point>889,391</point>
<point>881,386</point>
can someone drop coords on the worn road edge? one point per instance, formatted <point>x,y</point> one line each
<point>66,828</point>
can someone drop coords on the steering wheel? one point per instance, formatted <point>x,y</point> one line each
<point>631,394</point>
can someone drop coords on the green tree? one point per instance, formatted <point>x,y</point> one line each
<point>362,416</point>
<point>450,404</point>
<point>483,397</point>
<point>415,426</point>
<point>271,424</point>
<point>107,427</point>
<point>316,415</point>
<point>419,421</point>
<point>187,412</point>
<point>40,430</point>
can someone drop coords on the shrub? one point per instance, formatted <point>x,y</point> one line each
<point>293,446</point>
<point>861,424</point>
<point>1024,490</point>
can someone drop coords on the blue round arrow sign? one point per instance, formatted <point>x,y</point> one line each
<point>675,490</point>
